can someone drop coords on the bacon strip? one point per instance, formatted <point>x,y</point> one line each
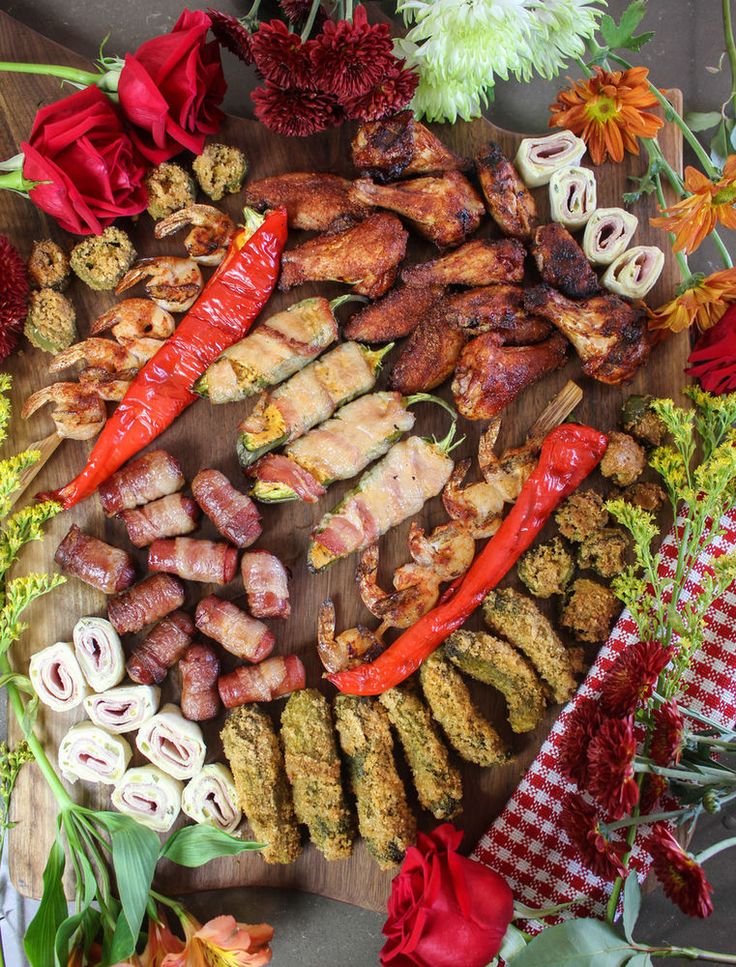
<point>152,599</point>
<point>104,567</point>
<point>276,468</point>
<point>162,648</point>
<point>147,478</point>
<point>200,669</point>
<point>262,683</point>
<point>234,515</point>
<point>266,583</point>
<point>168,516</point>
<point>234,629</point>
<point>194,560</point>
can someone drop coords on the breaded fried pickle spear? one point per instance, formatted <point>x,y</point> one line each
<point>384,819</point>
<point>253,751</point>
<point>437,781</point>
<point>518,619</point>
<point>497,663</point>
<point>449,700</point>
<point>313,768</point>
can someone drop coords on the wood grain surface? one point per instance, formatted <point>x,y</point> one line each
<point>205,436</point>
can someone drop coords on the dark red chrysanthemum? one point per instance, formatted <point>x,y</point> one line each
<point>352,58</point>
<point>281,57</point>
<point>682,878</point>
<point>611,778</point>
<point>653,788</point>
<point>13,297</point>
<point>580,727</point>
<point>231,34</point>
<point>601,855</point>
<point>633,676</point>
<point>390,95</point>
<point>665,745</point>
<point>297,12</point>
<point>294,112</point>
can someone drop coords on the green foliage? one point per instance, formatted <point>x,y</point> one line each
<point>576,943</point>
<point>621,36</point>
<point>632,905</point>
<point>194,846</point>
<point>40,938</point>
<point>24,526</point>
<point>18,595</point>
<point>11,471</point>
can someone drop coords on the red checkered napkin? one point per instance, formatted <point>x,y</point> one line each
<point>525,844</point>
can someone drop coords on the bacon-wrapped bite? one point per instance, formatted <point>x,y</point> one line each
<point>99,653</point>
<point>210,562</point>
<point>234,515</point>
<point>200,669</point>
<point>481,261</point>
<point>90,753</point>
<point>510,203</point>
<point>211,798</point>
<point>172,743</point>
<point>98,564</point>
<point>279,478</point>
<point>399,146</point>
<point>562,263</point>
<point>234,629</point>
<point>271,679</point>
<point>123,709</point>
<point>168,516</point>
<point>161,649</point>
<point>266,583</point>
<point>155,474</point>
<point>57,678</point>
<point>397,314</point>
<point>495,308</point>
<point>313,200</point>
<point>149,796</point>
<point>150,600</point>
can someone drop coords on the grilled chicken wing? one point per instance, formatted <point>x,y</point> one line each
<point>562,263</point>
<point>445,209</point>
<point>508,200</point>
<point>429,356</point>
<point>480,262</point>
<point>366,256</point>
<point>609,334</point>
<point>312,200</point>
<point>397,314</point>
<point>489,376</point>
<point>499,309</point>
<point>400,146</point>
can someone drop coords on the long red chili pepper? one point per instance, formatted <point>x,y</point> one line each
<point>162,389</point>
<point>569,453</point>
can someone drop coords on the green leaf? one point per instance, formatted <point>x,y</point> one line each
<point>640,960</point>
<point>123,943</point>
<point>73,923</point>
<point>576,943</point>
<point>702,120</point>
<point>632,905</point>
<point>719,146</point>
<point>194,846</point>
<point>52,912</point>
<point>21,682</point>
<point>621,35</point>
<point>512,944</point>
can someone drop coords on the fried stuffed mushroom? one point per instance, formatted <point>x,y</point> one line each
<point>547,569</point>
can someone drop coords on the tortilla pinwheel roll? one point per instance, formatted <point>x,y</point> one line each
<point>57,678</point>
<point>538,158</point>
<point>608,234</point>
<point>211,798</point>
<point>172,743</point>
<point>99,653</point>
<point>90,753</point>
<point>123,709</point>
<point>150,796</point>
<point>573,196</point>
<point>635,271</point>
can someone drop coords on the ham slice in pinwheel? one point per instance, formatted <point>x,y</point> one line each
<point>150,796</point>
<point>211,798</point>
<point>57,678</point>
<point>123,709</point>
<point>173,743</point>
<point>99,653</point>
<point>90,753</point>
<point>608,234</point>
<point>572,196</point>
<point>538,158</point>
<point>634,272</point>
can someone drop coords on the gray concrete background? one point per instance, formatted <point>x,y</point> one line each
<point>312,931</point>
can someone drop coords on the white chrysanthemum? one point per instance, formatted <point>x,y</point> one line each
<point>444,100</point>
<point>560,30</point>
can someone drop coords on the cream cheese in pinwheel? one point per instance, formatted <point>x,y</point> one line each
<point>573,196</point>
<point>149,796</point>
<point>99,653</point>
<point>90,753</point>
<point>57,678</point>
<point>538,158</point>
<point>123,709</point>
<point>635,271</point>
<point>211,798</point>
<point>608,234</point>
<point>173,743</point>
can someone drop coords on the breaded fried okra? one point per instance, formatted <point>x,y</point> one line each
<point>101,261</point>
<point>581,514</point>
<point>170,188</point>
<point>547,569</point>
<point>604,551</point>
<point>220,169</point>
<point>48,266</point>
<point>590,610</point>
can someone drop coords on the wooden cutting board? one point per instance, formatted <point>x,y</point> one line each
<point>205,436</point>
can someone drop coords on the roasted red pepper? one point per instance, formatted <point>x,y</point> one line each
<point>569,453</point>
<point>162,389</point>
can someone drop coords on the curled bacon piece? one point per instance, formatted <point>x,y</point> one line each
<point>152,599</point>
<point>200,669</point>
<point>162,648</point>
<point>276,468</point>
<point>262,683</point>
<point>234,629</point>
<point>96,563</point>
<point>194,560</point>
<point>151,476</point>
<point>168,516</point>
<point>266,583</point>
<point>233,514</point>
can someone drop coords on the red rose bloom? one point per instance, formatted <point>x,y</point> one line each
<point>294,112</point>
<point>231,34</point>
<point>579,728</point>
<point>669,728</point>
<point>390,95</point>
<point>281,57</point>
<point>631,679</point>
<point>352,57</point>
<point>611,766</point>
<point>92,172</point>
<point>170,89</point>
<point>13,297</point>
<point>713,360</point>
<point>602,856</point>
<point>683,879</point>
<point>445,909</point>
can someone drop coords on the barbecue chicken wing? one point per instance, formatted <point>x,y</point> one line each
<point>480,262</point>
<point>562,263</point>
<point>429,356</point>
<point>609,334</point>
<point>397,314</point>
<point>489,376</point>
<point>499,309</point>
<point>400,146</point>
<point>312,200</point>
<point>508,200</point>
<point>445,209</point>
<point>366,256</point>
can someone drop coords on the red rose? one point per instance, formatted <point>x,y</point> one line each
<point>93,172</point>
<point>445,909</point>
<point>170,89</point>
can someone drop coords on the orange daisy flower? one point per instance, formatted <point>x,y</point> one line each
<point>606,111</point>
<point>704,302</point>
<point>709,202</point>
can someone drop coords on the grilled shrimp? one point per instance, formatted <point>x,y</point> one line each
<point>106,386</point>
<point>208,241</point>
<point>173,283</point>
<point>507,473</point>
<point>416,591</point>
<point>478,506</point>
<point>349,648</point>
<point>134,319</point>
<point>448,550</point>
<point>100,354</point>
<point>78,412</point>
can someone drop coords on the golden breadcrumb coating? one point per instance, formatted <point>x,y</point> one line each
<point>590,610</point>
<point>647,496</point>
<point>220,170</point>
<point>102,260</point>
<point>170,188</point>
<point>547,569</point>
<point>624,460</point>
<point>581,514</point>
<point>51,321</point>
<point>604,551</point>
<point>48,266</point>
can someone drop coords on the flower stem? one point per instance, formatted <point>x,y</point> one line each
<point>722,250</point>
<point>14,181</point>
<point>72,74</point>
<point>715,849</point>
<point>310,19</point>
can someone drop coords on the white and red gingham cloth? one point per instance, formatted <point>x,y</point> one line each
<point>525,845</point>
